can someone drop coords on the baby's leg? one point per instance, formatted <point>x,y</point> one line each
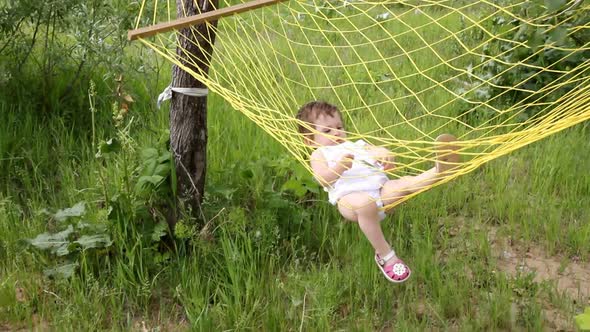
<point>446,161</point>
<point>394,190</point>
<point>361,207</point>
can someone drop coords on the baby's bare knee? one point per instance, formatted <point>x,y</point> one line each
<point>357,203</point>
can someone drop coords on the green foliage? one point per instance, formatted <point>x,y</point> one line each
<point>7,294</point>
<point>583,320</point>
<point>550,36</point>
<point>49,51</point>
<point>75,211</point>
<point>299,182</point>
<point>112,145</point>
<point>155,170</point>
<point>263,200</point>
<point>138,207</point>
<point>276,186</point>
<point>110,232</point>
<point>128,215</point>
<point>57,243</point>
<point>77,234</point>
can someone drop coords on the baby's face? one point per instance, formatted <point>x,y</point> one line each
<point>330,130</point>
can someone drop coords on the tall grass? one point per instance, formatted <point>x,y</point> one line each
<point>273,261</point>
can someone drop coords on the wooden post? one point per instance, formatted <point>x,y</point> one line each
<point>188,21</point>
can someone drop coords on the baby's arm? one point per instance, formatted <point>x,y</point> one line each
<point>327,175</point>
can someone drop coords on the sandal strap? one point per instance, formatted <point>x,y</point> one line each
<point>385,258</point>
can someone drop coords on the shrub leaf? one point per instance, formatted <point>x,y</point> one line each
<point>94,241</point>
<point>75,211</point>
<point>57,243</point>
<point>64,271</point>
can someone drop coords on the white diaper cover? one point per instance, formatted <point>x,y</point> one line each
<point>365,175</point>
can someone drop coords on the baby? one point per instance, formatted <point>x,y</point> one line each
<point>353,174</point>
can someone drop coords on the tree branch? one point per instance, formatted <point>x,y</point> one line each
<point>10,38</point>
<point>33,41</point>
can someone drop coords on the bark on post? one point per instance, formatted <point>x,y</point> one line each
<point>188,115</point>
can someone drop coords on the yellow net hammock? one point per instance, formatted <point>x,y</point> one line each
<point>496,74</point>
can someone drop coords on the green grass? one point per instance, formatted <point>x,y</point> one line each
<point>316,273</point>
<point>275,262</point>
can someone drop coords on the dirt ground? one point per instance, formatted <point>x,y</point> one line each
<point>569,276</point>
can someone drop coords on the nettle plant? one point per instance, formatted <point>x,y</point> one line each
<point>550,35</point>
<point>81,233</point>
<point>135,187</point>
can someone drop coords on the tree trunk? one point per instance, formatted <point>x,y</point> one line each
<point>188,115</point>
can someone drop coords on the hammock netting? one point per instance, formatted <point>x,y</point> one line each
<point>496,74</point>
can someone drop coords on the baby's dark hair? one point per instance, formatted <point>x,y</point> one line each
<point>311,111</point>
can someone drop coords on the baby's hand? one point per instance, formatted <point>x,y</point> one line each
<point>346,161</point>
<point>385,158</point>
<point>388,162</point>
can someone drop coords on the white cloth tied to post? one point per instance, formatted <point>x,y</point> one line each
<point>193,92</point>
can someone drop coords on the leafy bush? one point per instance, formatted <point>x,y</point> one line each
<point>263,200</point>
<point>551,36</point>
<point>49,51</point>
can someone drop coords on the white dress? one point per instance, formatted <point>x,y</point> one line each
<point>365,175</point>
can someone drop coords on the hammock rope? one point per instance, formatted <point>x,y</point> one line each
<point>401,72</point>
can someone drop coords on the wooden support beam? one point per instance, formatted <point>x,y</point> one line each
<point>196,19</point>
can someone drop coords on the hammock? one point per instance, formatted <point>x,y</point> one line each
<point>493,73</point>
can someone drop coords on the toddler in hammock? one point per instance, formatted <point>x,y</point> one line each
<point>353,174</point>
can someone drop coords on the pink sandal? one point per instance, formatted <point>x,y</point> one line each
<point>397,272</point>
